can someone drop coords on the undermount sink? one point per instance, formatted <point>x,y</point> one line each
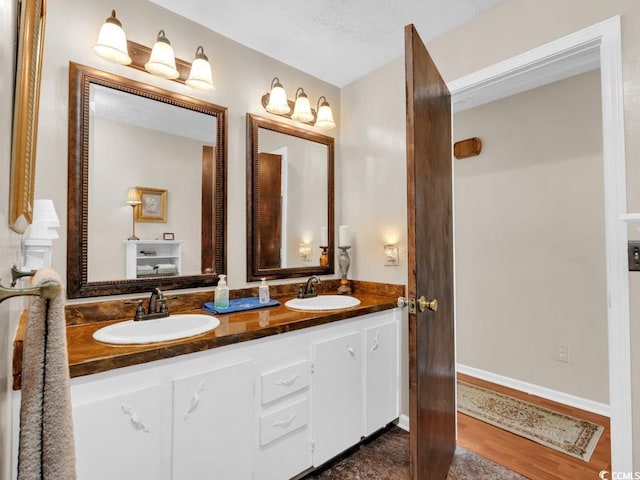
<point>323,302</point>
<point>173,327</point>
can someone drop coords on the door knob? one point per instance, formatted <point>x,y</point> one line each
<point>423,304</point>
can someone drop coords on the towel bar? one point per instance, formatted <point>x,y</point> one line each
<point>47,290</point>
<point>16,273</point>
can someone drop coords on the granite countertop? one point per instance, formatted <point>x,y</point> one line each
<point>87,356</point>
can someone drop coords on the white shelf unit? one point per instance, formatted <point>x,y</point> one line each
<point>158,252</point>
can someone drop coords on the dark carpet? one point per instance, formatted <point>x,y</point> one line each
<point>387,458</point>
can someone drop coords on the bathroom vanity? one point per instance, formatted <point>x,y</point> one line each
<point>268,395</point>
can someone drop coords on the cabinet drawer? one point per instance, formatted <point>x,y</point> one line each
<point>284,420</point>
<point>279,383</point>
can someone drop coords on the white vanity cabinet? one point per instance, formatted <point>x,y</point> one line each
<point>120,435</point>
<point>381,372</point>
<point>265,409</point>
<point>213,423</point>
<point>337,387</point>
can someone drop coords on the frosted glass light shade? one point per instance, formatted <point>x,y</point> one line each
<point>302,109</point>
<point>162,61</point>
<point>325,115</point>
<point>200,76</point>
<point>112,41</point>
<point>278,103</point>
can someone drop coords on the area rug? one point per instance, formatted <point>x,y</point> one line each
<point>564,433</point>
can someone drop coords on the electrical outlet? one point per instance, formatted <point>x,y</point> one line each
<point>562,353</point>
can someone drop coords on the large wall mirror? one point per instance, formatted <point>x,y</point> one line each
<point>170,151</point>
<point>290,209</point>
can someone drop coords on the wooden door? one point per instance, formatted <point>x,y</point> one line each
<point>432,404</point>
<point>269,229</point>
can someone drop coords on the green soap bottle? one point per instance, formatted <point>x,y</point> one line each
<point>221,295</point>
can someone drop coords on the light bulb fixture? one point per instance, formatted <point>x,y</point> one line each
<point>324,119</point>
<point>305,250</point>
<point>278,103</point>
<point>391,255</point>
<point>200,76</point>
<point>162,62</point>
<point>112,41</point>
<point>133,199</point>
<point>302,110</point>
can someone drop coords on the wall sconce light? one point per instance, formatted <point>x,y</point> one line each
<point>304,250</point>
<point>276,102</point>
<point>162,61</point>
<point>37,244</point>
<point>133,199</point>
<point>391,255</point>
<point>112,41</point>
<point>302,110</point>
<point>200,76</point>
<point>325,115</point>
<point>113,45</point>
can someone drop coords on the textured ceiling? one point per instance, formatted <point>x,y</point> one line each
<point>337,41</point>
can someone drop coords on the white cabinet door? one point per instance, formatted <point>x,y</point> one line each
<point>121,436</point>
<point>213,424</point>
<point>337,387</point>
<point>381,365</point>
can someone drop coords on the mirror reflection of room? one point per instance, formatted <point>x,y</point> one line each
<point>292,176</point>
<point>136,141</point>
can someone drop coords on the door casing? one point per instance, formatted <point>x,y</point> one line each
<point>596,46</point>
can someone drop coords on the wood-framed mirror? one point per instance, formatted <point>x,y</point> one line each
<point>290,201</point>
<point>171,150</point>
<point>32,14</point>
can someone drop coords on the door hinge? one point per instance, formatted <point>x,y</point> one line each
<point>313,368</point>
<point>313,447</point>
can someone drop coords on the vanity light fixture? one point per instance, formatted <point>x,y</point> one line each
<point>324,118</point>
<point>200,76</point>
<point>133,199</point>
<point>391,255</point>
<point>112,41</point>
<point>302,110</point>
<point>162,61</point>
<point>278,103</point>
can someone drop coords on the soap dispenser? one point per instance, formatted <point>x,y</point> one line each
<point>221,296</point>
<point>263,291</point>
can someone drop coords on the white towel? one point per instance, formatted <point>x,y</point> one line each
<point>46,450</point>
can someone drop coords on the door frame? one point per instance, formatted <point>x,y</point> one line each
<point>596,46</point>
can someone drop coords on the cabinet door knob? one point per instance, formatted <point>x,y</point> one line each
<point>136,423</point>
<point>288,382</point>
<point>351,351</point>
<point>285,422</point>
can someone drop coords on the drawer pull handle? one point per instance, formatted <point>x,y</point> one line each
<point>288,382</point>
<point>136,423</point>
<point>285,422</point>
<point>195,401</point>
<point>376,342</point>
<point>351,351</point>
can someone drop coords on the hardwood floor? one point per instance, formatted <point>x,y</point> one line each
<point>524,456</point>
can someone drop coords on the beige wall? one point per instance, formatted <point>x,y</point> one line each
<point>9,241</point>
<point>507,30</point>
<point>529,234</point>
<point>241,77</point>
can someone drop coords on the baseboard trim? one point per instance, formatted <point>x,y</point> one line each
<point>549,394</point>
<point>403,422</point>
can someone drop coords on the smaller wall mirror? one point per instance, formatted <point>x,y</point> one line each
<point>290,210</point>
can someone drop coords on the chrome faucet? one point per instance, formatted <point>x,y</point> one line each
<point>309,290</point>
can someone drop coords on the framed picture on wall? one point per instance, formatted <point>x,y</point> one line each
<point>153,206</point>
